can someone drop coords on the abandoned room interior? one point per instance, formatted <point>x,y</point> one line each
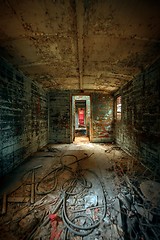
<point>80,119</point>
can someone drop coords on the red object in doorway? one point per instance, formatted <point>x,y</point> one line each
<point>81,116</point>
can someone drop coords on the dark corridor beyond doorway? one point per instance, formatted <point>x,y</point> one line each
<point>81,120</point>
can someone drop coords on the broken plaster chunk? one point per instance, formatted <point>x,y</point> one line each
<point>106,221</point>
<point>71,201</point>
<point>151,190</point>
<point>90,200</point>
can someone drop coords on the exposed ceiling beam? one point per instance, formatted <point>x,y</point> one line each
<point>79,17</point>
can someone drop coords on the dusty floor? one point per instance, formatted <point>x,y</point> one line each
<point>80,191</point>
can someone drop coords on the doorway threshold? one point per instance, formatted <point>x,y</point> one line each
<point>81,139</point>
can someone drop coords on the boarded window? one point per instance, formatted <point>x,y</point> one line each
<point>118,108</point>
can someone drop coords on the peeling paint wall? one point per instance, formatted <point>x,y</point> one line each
<point>59,117</point>
<point>102,117</point>
<point>87,112</point>
<point>23,117</point>
<point>138,132</point>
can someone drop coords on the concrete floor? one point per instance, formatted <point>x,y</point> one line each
<point>103,164</point>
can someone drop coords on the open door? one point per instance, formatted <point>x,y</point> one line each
<point>81,119</point>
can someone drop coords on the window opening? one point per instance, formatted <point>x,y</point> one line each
<point>118,108</point>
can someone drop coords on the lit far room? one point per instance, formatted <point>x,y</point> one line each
<point>79,120</point>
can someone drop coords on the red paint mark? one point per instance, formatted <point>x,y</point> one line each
<point>103,133</point>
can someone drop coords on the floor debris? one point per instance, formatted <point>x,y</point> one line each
<point>87,191</point>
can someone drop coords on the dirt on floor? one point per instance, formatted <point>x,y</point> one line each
<point>81,190</point>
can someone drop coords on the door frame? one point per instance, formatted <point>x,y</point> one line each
<point>73,105</point>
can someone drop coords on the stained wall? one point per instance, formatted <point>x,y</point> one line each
<point>138,132</point>
<point>102,117</point>
<point>59,116</point>
<point>23,117</point>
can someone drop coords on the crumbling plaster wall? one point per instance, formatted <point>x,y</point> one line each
<point>23,117</point>
<point>138,132</point>
<point>60,122</point>
<point>59,116</point>
<point>102,117</point>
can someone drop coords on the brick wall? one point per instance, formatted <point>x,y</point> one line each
<point>138,132</point>
<point>23,117</point>
<point>102,117</point>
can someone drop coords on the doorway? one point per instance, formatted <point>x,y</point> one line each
<point>81,119</point>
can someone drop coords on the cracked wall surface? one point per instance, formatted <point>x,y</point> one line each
<point>138,132</point>
<point>23,117</point>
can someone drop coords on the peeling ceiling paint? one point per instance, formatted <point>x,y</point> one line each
<point>76,44</point>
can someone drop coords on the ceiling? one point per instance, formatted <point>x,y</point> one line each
<point>80,44</point>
